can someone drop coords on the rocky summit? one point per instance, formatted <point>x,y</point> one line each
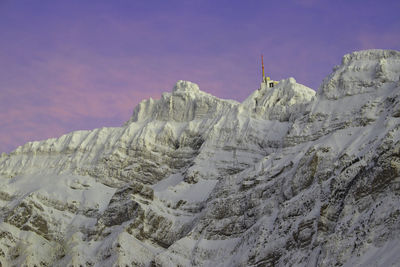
<point>288,177</point>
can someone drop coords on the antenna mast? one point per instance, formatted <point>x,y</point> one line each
<point>262,63</point>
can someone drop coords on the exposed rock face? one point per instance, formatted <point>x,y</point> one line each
<point>283,102</point>
<point>361,72</point>
<point>286,178</point>
<point>185,103</point>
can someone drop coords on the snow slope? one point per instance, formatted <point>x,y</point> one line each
<point>286,178</point>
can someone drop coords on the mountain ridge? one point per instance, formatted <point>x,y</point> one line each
<point>287,177</point>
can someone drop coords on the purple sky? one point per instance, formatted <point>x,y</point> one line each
<point>71,64</point>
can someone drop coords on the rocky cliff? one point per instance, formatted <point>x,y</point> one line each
<point>286,178</point>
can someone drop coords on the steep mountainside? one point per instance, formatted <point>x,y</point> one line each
<point>286,178</point>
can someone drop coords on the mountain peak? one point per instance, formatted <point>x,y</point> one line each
<point>280,102</point>
<point>186,86</point>
<point>362,72</point>
<point>186,102</point>
<point>370,54</point>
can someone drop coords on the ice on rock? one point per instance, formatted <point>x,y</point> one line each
<point>360,72</point>
<point>288,98</point>
<point>186,86</point>
<point>185,103</point>
<point>285,178</point>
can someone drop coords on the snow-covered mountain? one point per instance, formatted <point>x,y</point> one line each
<point>286,178</point>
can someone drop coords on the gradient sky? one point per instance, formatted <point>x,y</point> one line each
<point>67,65</point>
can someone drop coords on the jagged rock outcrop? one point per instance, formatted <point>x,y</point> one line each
<point>362,72</point>
<point>285,101</point>
<point>286,178</point>
<point>185,103</point>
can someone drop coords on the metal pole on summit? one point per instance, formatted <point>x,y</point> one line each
<point>262,63</point>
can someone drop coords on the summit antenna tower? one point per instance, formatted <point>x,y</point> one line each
<point>262,64</point>
<point>266,81</point>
